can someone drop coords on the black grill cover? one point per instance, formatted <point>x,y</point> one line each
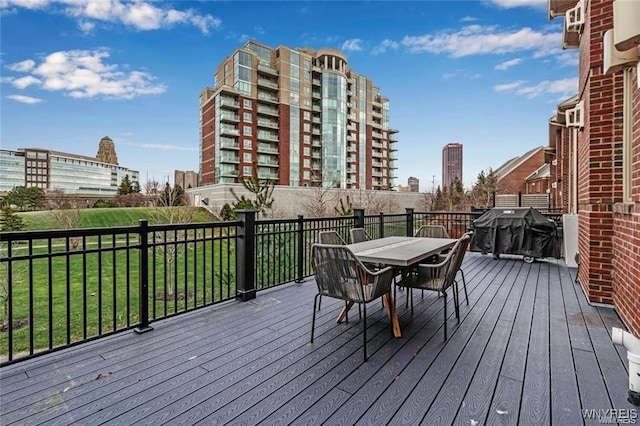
<point>523,231</point>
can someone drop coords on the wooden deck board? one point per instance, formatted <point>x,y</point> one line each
<point>528,349</point>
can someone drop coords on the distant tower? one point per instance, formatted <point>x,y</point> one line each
<point>414,184</point>
<point>451,163</point>
<point>107,151</point>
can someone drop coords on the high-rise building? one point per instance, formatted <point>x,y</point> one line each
<point>186,179</point>
<point>73,173</point>
<point>303,116</point>
<point>414,184</point>
<point>451,163</point>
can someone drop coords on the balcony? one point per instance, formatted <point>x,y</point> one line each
<point>267,149</point>
<point>229,159</point>
<point>526,336</point>
<point>229,143</point>
<point>233,118</point>
<point>316,94</point>
<point>263,109</point>
<point>263,82</point>
<point>267,123</point>
<point>266,162</point>
<point>265,69</point>
<point>316,82</point>
<point>229,103</point>
<point>229,131</point>
<point>268,137</point>
<point>316,120</point>
<point>316,108</point>
<point>376,114</point>
<point>267,98</point>
<point>376,134</point>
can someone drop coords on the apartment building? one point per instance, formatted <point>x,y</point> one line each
<point>303,116</point>
<point>186,179</point>
<point>451,163</point>
<point>595,142</point>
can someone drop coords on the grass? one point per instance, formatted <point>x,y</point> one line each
<point>77,295</point>
<point>87,294</point>
<point>102,218</point>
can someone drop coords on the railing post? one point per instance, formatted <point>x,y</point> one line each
<point>143,278</point>
<point>246,256</point>
<point>519,198</point>
<point>359,214</point>
<point>381,224</point>
<point>409,222</point>
<point>301,250</point>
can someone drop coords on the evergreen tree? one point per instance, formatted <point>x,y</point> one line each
<point>125,186</point>
<point>9,220</point>
<point>262,190</point>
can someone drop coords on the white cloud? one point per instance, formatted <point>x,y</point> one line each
<point>468,19</point>
<point>86,27</point>
<point>477,39</point>
<point>508,86</point>
<point>467,74</point>
<point>140,15</point>
<point>25,99</point>
<point>165,147</point>
<point>24,82</point>
<point>83,74</point>
<point>24,66</point>
<point>384,45</point>
<point>352,45</point>
<point>508,64</point>
<point>508,4</point>
<point>565,87</point>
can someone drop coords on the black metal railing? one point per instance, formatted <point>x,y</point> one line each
<point>63,287</point>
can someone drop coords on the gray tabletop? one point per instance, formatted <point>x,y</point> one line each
<point>399,251</point>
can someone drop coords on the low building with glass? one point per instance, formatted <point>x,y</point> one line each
<point>75,174</point>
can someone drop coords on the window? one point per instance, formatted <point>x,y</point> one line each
<point>306,162</point>
<point>246,157</point>
<point>306,138</point>
<point>246,130</point>
<point>246,144</point>
<point>307,115</point>
<point>247,104</point>
<point>307,127</point>
<point>306,150</point>
<point>306,174</point>
<point>247,117</point>
<point>246,170</point>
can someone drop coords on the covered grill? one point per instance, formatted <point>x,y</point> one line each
<point>520,231</point>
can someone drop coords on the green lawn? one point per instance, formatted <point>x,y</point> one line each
<point>108,217</point>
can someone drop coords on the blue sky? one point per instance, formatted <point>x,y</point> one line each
<point>487,74</point>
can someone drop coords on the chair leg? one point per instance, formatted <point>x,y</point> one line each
<point>319,302</point>
<point>313,320</point>
<point>445,315</point>
<point>364,332</point>
<point>464,285</point>
<point>456,299</point>
<point>346,311</point>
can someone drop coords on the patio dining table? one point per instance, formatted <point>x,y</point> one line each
<point>400,252</point>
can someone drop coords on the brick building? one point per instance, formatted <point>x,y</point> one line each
<point>303,116</point>
<point>600,135</point>
<point>512,175</point>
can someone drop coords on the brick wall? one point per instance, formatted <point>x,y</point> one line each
<point>626,236</point>
<point>598,147</point>
<point>609,230</point>
<point>515,182</point>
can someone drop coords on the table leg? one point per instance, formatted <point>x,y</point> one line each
<point>343,312</point>
<point>388,298</point>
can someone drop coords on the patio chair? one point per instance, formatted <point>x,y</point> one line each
<point>339,274</point>
<point>359,235</point>
<point>440,276</point>
<point>432,231</point>
<point>330,237</point>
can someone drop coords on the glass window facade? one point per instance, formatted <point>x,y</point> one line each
<point>334,126</point>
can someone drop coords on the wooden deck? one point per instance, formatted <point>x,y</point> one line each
<point>528,350</point>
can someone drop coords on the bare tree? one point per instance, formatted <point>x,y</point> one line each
<point>169,208</point>
<point>65,212</point>
<point>318,201</point>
